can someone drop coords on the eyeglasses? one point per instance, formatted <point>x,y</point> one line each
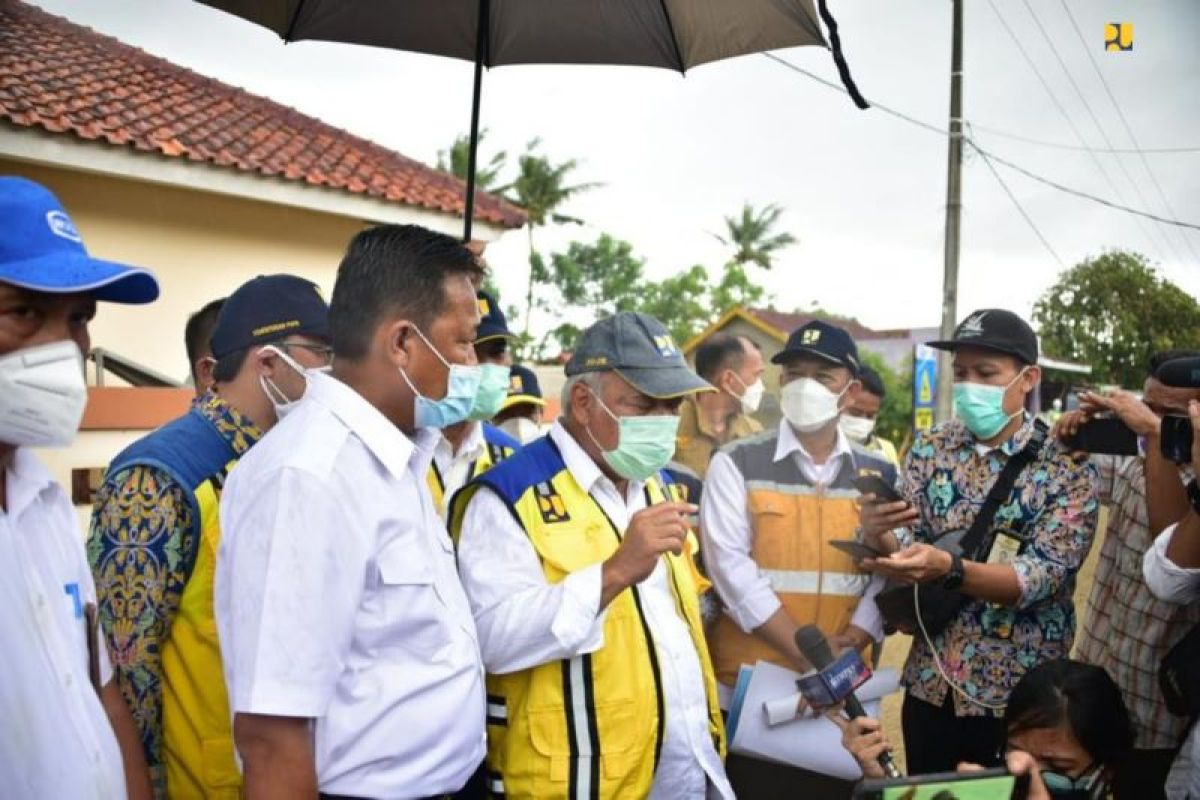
<point>321,351</point>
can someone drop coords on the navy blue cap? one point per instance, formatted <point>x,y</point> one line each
<point>269,308</point>
<point>638,348</point>
<point>823,340</point>
<point>41,250</point>
<point>492,324</point>
<point>994,329</point>
<point>523,387</point>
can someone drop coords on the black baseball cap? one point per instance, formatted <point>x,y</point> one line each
<point>523,388</point>
<point>269,308</point>
<point>638,348</point>
<point>994,329</point>
<point>492,324</point>
<point>823,340</point>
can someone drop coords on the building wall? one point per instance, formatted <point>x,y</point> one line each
<point>201,246</point>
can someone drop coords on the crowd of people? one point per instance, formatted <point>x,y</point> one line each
<point>362,564</point>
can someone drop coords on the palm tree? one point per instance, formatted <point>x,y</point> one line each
<point>455,160</point>
<point>541,188</point>
<point>752,238</point>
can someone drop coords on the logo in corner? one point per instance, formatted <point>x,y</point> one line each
<point>972,325</point>
<point>61,226</point>
<point>550,504</point>
<point>666,346</point>
<point>1118,37</point>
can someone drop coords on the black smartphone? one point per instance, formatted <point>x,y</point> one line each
<point>988,784</point>
<point>855,549</point>
<point>873,484</point>
<point>1105,435</point>
<point>1175,441</point>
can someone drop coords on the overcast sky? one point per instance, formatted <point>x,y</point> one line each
<point>864,192</point>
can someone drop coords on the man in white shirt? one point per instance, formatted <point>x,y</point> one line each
<point>65,731</point>
<point>575,558</point>
<point>350,653</point>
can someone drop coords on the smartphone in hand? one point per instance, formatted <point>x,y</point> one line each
<point>873,484</point>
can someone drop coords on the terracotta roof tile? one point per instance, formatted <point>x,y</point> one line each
<point>65,78</point>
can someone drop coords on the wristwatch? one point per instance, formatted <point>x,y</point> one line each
<point>1193,493</point>
<point>954,578</point>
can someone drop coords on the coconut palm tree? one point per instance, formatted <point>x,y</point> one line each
<point>455,159</point>
<point>752,237</point>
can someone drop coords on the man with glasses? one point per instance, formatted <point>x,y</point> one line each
<point>155,532</point>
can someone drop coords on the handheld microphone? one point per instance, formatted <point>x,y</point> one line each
<point>815,647</point>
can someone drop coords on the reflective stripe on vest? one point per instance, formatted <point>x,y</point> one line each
<point>795,581</point>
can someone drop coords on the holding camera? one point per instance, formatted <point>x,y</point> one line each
<point>1016,609</point>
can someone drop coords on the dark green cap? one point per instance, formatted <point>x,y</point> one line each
<point>638,348</point>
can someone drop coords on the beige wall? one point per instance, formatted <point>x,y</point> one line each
<point>201,246</point>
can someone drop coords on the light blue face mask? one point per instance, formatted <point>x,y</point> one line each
<point>493,389</point>
<point>462,385</point>
<point>981,407</point>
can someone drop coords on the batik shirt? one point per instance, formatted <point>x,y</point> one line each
<point>142,547</point>
<point>988,647</point>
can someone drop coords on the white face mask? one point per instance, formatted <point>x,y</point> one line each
<point>279,401</point>
<point>858,429</point>
<point>42,395</point>
<point>752,395</point>
<point>808,405</point>
<point>523,429</point>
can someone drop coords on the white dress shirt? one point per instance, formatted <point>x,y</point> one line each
<point>727,532</point>
<point>454,467</point>
<point>55,737</point>
<point>1170,582</point>
<point>523,620</point>
<point>337,599</point>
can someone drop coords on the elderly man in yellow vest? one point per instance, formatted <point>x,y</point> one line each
<point>772,504</point>
<point>155,531</point>
<point>575,555</point>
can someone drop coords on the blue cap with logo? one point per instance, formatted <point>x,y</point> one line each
<point>269,308</point>
<point>523,388</point>
<point>638,348</point>
<point>41,250</point>
<point>823,340</point>
<point>492,323</point>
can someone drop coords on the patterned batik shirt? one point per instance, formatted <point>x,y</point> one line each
<point>1128,630</point>
<point>142,547</point>
<point>988,647</point>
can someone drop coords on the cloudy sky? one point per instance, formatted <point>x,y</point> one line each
<point>864,192</point>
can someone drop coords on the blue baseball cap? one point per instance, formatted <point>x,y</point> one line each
<point>638,348</point>
<point>41,250</point>
<point>824,341</point>
<point>523,388</point>
<point>492,323</point>
<point>267,309</point>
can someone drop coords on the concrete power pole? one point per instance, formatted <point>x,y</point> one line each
<point>953,214</point>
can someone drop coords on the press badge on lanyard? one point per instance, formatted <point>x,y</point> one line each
<point>1005,547</point>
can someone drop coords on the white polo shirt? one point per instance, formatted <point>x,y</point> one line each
<point>337,599</point>
<point>55,738</point>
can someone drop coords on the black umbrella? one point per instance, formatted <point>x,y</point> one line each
<point>673,34</point>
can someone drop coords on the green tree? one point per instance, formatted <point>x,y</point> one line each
<point>487,175</point>
<point>1113,312</point>
<point>542,187</point>
<point>752,235</point>
<point>895,412</point>
<point>682,302</point>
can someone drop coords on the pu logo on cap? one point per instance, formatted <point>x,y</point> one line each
<point>810,336</point>
<point>484,308</point>
<point>514,384</point>
<point>972,325</point>
<point>62,227</point>
<point>666,347</point>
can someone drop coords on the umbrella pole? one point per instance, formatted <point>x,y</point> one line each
<point>481,34</point>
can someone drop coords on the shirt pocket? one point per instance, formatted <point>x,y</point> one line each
<point>412,614</point>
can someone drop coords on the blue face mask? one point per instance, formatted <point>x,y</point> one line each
<point>981,407</point>
<point>493,389</point>
<point>462,385</point>
<point>1087,786</point>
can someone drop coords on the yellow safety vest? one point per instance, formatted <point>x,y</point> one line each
<point>591,726</point>
<point>493,453</point>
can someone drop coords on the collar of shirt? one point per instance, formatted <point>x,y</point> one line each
<point>235,427</point>
<point>385,441</point>
<point>789,443</point>
<point>27,480</point>
<point>585,471</point>
<point>957,435</point>
<point>470,449</point>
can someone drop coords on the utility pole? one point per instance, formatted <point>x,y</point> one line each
<point>953,215</point>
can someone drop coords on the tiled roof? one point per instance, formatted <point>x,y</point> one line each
<point>786,322</point>
<point>68,79</point>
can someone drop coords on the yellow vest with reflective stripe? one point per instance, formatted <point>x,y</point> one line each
<point>792,523</point>
<point>590,726</point>
<point>492,454</point>
<point>197,733</point>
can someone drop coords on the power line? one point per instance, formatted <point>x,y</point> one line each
<point>1137,189</point>
<point>1081,149</point>
<point>1128,128</point>
<point>942,132</point>
<point>1016,40</point>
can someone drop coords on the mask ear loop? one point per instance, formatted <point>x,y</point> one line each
<point>608,411</point>
<point>272,390</point>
